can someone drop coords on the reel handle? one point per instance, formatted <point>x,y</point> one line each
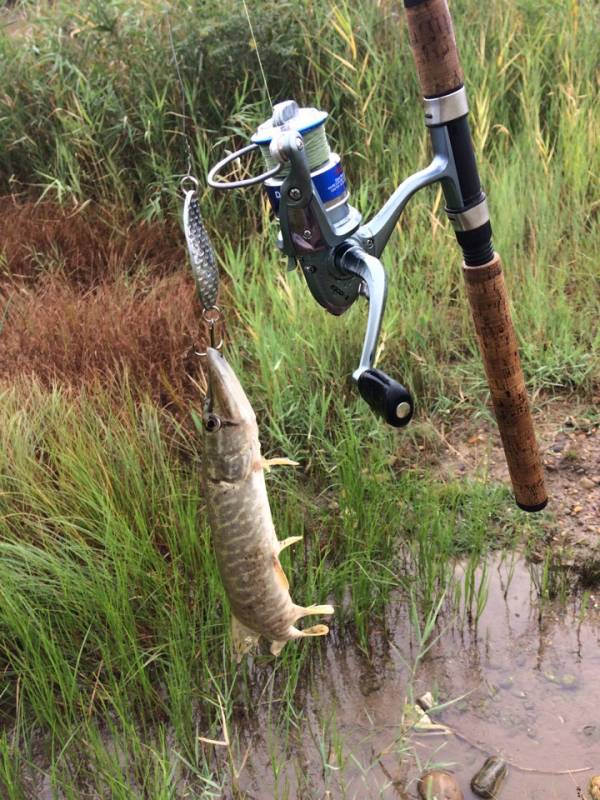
<point>431,37</point>
<point>388,398</point>
<point>487,295</point>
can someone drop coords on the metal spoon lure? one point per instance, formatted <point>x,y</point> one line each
<point>202,260</point>
<point>200,249</point>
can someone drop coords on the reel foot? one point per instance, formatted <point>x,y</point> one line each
<point>388,398</point>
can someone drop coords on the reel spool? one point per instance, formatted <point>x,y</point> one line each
<point>325,167</point>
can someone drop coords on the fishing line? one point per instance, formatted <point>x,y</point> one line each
<point>260,64</point>
<point>188,148</point>
<point>315,141</point>
<point>201,252</point>
<point>316,147</point>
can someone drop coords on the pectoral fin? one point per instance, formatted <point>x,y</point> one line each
<point>287,542</point>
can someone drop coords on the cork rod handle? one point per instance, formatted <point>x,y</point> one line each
<point>431,36</point>
<point>486,291</point>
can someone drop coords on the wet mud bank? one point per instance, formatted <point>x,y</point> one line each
<point>569,437</point>
<point>521,684</point>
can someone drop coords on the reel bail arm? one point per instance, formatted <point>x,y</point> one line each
<point>212,181</point>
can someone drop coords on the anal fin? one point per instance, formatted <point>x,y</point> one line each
<point>280,575</point>
<point>277,647</point>
<point>310,610</point>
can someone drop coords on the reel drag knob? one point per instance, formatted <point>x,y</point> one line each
<point>388,398</point>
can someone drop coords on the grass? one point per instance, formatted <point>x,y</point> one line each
<point>111,608</point>
<point>113,630</point>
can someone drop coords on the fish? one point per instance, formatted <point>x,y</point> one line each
<point>201,252</point>
<point>244,539</point>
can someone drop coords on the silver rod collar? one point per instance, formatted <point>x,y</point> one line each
<point>470,219</point>
<point>440,110</point>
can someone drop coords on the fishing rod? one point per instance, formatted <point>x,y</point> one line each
<point>340,256</point>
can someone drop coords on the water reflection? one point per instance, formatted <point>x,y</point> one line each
<point>530,689</point>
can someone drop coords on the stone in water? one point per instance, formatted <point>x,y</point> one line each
<point>489,778</point>
<point>438,785</point>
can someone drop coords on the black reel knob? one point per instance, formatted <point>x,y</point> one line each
<point>388,398</point>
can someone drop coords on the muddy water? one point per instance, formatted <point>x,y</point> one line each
<point>532,695</point>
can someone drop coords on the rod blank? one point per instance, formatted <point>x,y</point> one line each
<point>433,43</point>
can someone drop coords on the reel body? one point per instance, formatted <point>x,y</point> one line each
<point>321,232</point>
<point>310,198</point>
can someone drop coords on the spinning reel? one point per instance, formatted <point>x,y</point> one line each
<point>321,232</point>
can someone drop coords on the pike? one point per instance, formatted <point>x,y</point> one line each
<point>246,546</point>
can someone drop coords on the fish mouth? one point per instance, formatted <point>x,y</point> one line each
<point>227,399</point>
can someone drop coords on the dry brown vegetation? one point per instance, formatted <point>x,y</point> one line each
<point>86,301</point>
<point>86,244</point>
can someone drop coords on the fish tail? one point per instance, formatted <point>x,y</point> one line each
<point>243,639</point>
<point>296,633</point>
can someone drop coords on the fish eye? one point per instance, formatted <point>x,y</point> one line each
<point>212,423</point>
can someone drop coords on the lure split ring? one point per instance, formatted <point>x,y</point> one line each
<point>189,179</point>
<point>212,317</point>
